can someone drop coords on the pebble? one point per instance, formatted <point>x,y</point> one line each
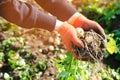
<point>60,56</point>
<point>57,41</point>
<point>51,40</point>
<point>40,50</point>
<point>51,48</point>
<point>1,65</point>
<point>80,32</point>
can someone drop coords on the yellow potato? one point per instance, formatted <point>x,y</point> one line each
<point>80,32</point>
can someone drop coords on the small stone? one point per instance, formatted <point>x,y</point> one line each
<point>62,50</point>
<point>1,65</point>
<point>60,56</point>
<point>80,32</point>
<point>47,73</point>
<point>40,50</point>
<point>51,40</point>
<point>51,48</point>
<point>57,41</point>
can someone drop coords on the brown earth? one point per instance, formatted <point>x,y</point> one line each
<point>44,46</point>
<point>94,46</point>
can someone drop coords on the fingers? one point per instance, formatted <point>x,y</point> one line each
<point>68,46</point>
<point>69,35</point>
<point>95,26</point>
<point>77,41</point>
<point>101,30</point>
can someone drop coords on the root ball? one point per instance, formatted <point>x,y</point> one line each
<point>94,46</point>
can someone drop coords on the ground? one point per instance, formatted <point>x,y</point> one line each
<point>43,45</point>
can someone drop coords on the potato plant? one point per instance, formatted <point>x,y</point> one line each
<point>72,69</point>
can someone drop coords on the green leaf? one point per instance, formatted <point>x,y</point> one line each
<point>42,65</point>
<point>1,56</point>
<point>72,77</point>
<point>111,45</point>
<point>12,63</point>
<point>63,74</point>
<point>11,53</point>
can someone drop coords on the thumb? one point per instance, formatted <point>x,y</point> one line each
<point>69,48</point>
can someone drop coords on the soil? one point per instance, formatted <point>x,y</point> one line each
<point>43,46</point>
<point>94,47</point>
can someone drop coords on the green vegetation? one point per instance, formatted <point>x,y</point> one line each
<point>17,61</point>
<point>72,69</point>
<point>104,12</point>
<point>113,45</point>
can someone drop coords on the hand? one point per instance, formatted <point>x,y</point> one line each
<point>78,20</point>
<point>69,35</point>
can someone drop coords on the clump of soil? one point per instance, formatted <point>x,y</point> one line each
<point>94,46</point>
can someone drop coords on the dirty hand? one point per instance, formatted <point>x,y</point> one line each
<point>69,35</point>
<point>78,20</point>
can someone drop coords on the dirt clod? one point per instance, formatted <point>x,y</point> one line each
<point>94,47</point>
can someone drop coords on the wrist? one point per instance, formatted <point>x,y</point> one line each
<point>58,24</point>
